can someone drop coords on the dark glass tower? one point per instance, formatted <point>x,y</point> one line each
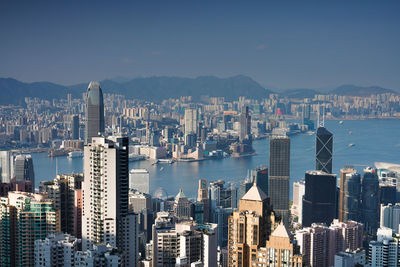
<point>279,175</point>
<point>94,112</point>
<point>260,177</point>
<point>75,127</point>
<point>24,169</point>
<point>370,200</point>
<point>245,124</point>
<point>319,201</point>
<point>352,197</point>
<point>324,150</point>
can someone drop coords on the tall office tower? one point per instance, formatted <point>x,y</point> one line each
<point>260,176</point>
<point>299,189</point>
<point>384,251</point>
<point>343,175</point>
<point>139,201</point>
<point>105,189</point>
<point>245,124</point>
<point>390,217</point>
<point>202,197</point>
<point>387,194</point>
<point>323,150</point>
<point>351,202</point>
<point>139,179</point>
<point>94,125</point>
<point>25,217</point>
<point>280,250</point>
<point>249,227</point>
<point>191,118</point>
<point>24,169</point>
<point>63,190</point>
<point>6,166</point>
<point>370,200</point>
<point>75,127</point>
<point>221,195</point>
<point>244,186</point>
<point>319,202</point>
<point>279,175</point>
<point>56,250</point>
<point>183,208</point>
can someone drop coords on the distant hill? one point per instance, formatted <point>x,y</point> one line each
<point>152,88</point>
<point>300,93</point>
<point>353,90</point>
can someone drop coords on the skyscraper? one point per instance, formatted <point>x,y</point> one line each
<point>249,227</point>
<point>75,127</point>
<point>6,166</point>
<point>105,217</point>
<point>260,177</point>
<point>139,179</point>
<point>370,200</point>
<point>279,175</point>
<point>245,124</point>
<point>94,112</point>
<point>342,192</point>
<point>319,202</point>
<point>351,198</point>
<point>390,217</point>
<point>191,123</point>
<point>202,196</point>
<point>24,169</point>
<point>323,150</point>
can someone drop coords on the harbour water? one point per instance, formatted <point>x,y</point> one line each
<point>374,140</point>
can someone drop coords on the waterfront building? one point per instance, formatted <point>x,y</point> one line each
<point>245,124</point>
<point>390,217</point>
<point>6,166</point>
<point>249,227</point>
<point>106,218</point>
<point>24,169</point>
<point>319,202</point>
<point>94,124</point>
<point>56,250</point>
<point>279,171</point>
<point>75,127</point>
<point>342,190</point>
<point>324,150</point>
<point>139,179</point>
<point>370,200</point>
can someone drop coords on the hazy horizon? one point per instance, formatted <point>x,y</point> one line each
<point>282,45</point>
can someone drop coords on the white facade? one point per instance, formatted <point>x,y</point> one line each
<point>56,250</point>
<point>139,179</point>
<point>98,256</point>
<point>6,166</point>
<point>190,120</point>
<point>384,251</point>
<point>298,193</point>
<point>390,217</point>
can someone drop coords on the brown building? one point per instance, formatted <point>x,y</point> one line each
<point>202,196</point>
<point>343,174</point>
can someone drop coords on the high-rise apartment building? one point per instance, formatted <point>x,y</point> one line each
<point>94,125</point>
<point>139,179</point>
<point>191,120</point>
<point>64,191</point>
<point>249,227</point>
<point>299,189</point>
<point>105,189</point>
<point>56,250</point>
<point>245,124</point>
<point>279,175</point>
<point>390,217</point>
<point>25,218</point>
<point>319,201</point>
<point>344,174</point>
<point>385,250</point>
<point>324,150</point>
<point>6,166</point>
<point>24,169</point>
<point>370,200</point>
<point>202,197</point>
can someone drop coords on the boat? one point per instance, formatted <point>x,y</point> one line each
<point>75,154</point>
<point>169,161</point>
<point>310,132</point>
<point>350,132</point>
<point>351,145</point>
<point>340,122</point>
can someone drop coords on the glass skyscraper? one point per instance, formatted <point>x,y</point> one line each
<point>94,125</point>
<point>370,200</point>
<point>324,150</point>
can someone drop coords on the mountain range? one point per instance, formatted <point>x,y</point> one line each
<point>159,88</point>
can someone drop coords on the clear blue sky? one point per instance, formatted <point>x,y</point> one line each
<point>285,44</point>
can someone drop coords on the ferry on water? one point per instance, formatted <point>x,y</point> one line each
<point>75,154</point>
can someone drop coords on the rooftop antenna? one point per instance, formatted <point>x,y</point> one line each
<point>323,116</point>
<point>56,166</point>
<point>318,115</point>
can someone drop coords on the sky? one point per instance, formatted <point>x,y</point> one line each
<point>280,44</point>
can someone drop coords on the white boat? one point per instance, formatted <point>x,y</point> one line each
<point>352,144</point>
<point>169,161</point>
<point>75,154</point>
<point>340,122</point>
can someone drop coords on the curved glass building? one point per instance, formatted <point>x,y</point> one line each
<point>94,125</point>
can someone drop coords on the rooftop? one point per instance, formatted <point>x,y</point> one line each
<point>255,193</point>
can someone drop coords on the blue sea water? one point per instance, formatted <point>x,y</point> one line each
<point>375,140</point>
